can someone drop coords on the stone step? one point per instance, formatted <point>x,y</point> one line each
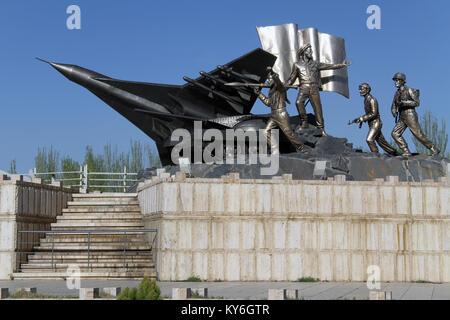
<point>105,200</point>
<point>95,237</point>
<point>100,215</point>
<point>77,225</point>
<point>98,211</point>
<point>84,265</point>
<point>104,195</point>
<point>106,209</point>
<point>103,203</point>
<point>82,236</point>
<point>112,255</point>
<point>111,259</point>
<point>92,275</point>
<point>98,247</point>
<point>101,221</point>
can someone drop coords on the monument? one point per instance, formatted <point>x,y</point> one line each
<point>329,211</point>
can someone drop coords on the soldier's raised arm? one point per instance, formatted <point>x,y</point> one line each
<point>261,96</point>
<point>330,66</point>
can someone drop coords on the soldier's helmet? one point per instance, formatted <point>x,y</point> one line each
<point>399,76</point>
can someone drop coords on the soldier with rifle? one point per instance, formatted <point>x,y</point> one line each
<point>279,117</point>
<point>406,99</point>
<point>372,117</point>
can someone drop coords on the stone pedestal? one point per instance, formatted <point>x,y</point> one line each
<point>89,293</point>
<point>276,294</point>
<point>380,295</point>
<point>181,293</point>
<point>281,229</point>
<point>4,293</point>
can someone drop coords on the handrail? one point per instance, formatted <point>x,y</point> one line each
<point>120,180</point>
<point>126,243</point>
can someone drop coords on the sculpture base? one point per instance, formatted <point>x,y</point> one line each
<point>340,157</point>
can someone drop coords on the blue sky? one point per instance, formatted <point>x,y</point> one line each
<point>162,41</point>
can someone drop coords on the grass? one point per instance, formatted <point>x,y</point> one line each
<point>104,295</point>
<point>22,294</point>
<point>195,295</point>
<point>307,279</point>
<point>424,281</point>
<point>193,279</point>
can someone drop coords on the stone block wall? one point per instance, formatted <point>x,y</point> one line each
<point>26,206</point>
<point>282,229</point>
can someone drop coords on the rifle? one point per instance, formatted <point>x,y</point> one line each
<point>252,85</point>
<point>356,121</point>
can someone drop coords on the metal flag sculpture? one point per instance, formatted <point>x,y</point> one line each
<point>285,40</point>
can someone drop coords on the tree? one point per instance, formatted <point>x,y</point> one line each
<point>152,157</point>
<point>70,167</point>
<point>12,167</point>
<point>46,161</point>
<point>432,131</point>
<point>137,158</point>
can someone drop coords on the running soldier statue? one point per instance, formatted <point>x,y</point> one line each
<point>279,117</point>
<point>372,117</point>
<point>406,99</point>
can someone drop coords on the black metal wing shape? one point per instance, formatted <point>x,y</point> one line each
<point>210,86</point>
<point>158,109</point>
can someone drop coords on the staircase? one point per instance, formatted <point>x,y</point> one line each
<point>103,254</point>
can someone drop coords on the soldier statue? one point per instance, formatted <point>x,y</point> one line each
<point>279,117</point>
<point>372,117</point>
<point>406,99</point>
<point>307,71</point>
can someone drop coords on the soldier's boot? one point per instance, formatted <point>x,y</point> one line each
<point>406,152</point>
<point>301,149</point>
<point>303,123</point>
<point>434,151</point>
<point>324,134</point>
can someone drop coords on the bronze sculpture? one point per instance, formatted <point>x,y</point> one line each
<point>279,117</point>
<point>306,70</point>
<point>372,117</point>
<point>406,99</point>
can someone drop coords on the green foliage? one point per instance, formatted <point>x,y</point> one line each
<point>125,294</point>
<point>137,158</point>
<point>12,167</point>
<point>22,294</point>
<point>69,165</point>
<point>193,279</point>
<point>47,161</point>
<point>152,158</point>
<point>437,134</point>
<point>148,290</point>
<point>307,279</point>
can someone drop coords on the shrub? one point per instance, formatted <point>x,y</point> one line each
<point>307,279</point>
<point>148,290</point>
<point>193,279</point>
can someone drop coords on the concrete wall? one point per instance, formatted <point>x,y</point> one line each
<point>26,206</point>
<point>281,229</point>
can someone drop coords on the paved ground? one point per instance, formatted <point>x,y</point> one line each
<point>254,290</point>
